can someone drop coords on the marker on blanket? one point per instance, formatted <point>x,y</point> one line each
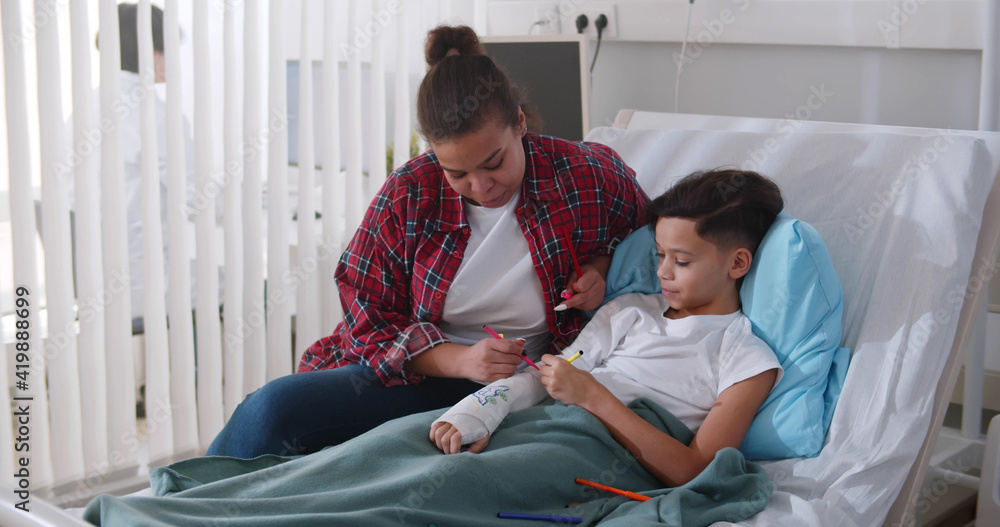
<point>626,493</point>
<point>575,356</point>
<point>542,517</point>
<point>496,335</point>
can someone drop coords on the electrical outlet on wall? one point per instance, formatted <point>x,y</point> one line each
<point>547,20</point>
<point>568,11</point>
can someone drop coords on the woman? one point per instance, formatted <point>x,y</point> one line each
<point>475,231</point>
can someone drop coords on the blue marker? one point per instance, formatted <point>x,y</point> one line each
<point>540,517</point>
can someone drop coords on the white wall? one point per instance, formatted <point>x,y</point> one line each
<point>929,88</point>
<point>873,64</point>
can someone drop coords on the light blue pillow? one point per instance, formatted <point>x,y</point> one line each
<point>794,301</point>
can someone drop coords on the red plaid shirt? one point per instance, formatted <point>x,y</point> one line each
<point>397,269</point>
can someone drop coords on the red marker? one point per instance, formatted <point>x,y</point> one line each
<point>576,264</point>
<point>492,333</point>
<point>496,335</point>
<point>572,252</point>
<point>531,362</point>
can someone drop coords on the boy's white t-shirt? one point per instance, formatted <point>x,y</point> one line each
<point>681,364</point>
<point>496,265</point>
<point>635,351</point>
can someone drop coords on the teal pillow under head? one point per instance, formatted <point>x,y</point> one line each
<point>793,298</point>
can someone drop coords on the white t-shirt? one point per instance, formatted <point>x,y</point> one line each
<point>681,364</point>
<point>496,284</point>
<point>635,351</point>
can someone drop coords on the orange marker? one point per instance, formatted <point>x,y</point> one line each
<point>626,493</point>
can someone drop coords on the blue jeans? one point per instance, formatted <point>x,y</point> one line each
<point>304,412</point>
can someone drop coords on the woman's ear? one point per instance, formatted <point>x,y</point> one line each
<point>741,258</point>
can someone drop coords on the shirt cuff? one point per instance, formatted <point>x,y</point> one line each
<point>411,342</point>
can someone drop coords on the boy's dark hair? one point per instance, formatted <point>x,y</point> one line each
<point>731,208</point>
<point>128,15</point>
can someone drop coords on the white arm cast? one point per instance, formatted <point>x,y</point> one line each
<point>480,413</point>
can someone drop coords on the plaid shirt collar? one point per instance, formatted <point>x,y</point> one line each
<point>539,184</point>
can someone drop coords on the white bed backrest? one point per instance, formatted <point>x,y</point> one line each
<point>900,211</point>
<point>886,197</point>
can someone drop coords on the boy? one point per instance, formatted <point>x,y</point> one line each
<point>690,349</point>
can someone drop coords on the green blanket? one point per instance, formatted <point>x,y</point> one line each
<point>394,475</point>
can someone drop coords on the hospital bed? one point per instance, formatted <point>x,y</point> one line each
<point>904,253</point>
<point>911,220</point>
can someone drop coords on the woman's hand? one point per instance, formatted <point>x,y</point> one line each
<point>449,440</point>
<point>587,290</point>
<point>567,383</point>
<point>486,361</point>
<point>491,359</point>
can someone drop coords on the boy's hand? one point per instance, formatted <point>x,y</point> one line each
<point>587,291</point>
<point>449,440</point>
<point>491,359</point>
<point>565,382</point>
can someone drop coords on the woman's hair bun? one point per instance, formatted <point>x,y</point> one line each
<point>443,39</point>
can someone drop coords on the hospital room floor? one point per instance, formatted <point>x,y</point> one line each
<point>956,507</point>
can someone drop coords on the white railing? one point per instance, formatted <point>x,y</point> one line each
<point>84,434</point>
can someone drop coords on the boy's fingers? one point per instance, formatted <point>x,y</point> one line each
<point>444,441</point>
<point>435,431</point>
<point>478,446</point>
<point>456,443</point>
